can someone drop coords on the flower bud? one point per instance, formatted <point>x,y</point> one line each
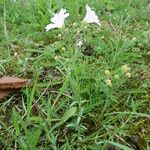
<point>102,37</point>
<point>80,43</point>
<point>85,27</point>
<point>74,24</point>
<point>15,54</point>
<point>117,77</point>
<point>55,43</point>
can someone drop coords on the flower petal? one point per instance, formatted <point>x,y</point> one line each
<point>66,15</point>
<point>50,26</point>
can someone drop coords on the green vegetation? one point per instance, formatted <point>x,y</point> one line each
<point>81,98</point>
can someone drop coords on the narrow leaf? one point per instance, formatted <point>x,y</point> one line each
<point>69,113</point>
<point>123,147</point>
<point>15,121</point>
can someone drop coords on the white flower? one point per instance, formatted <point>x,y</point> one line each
<point>57,20</point>
<point>80,43</point>
<point>91,16</point>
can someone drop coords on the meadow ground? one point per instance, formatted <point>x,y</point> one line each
<point>85,97</point>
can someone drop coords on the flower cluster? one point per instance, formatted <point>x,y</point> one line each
<point>58,19</point>
<point>125,71</point>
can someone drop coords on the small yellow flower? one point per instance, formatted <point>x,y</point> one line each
<point>56,42</point>
<point>57,57</point>
<point>108,82</point>
<point>74,24</point>
<point>107,72</point>
<point>117,77</point>
<point>128,75</point>
<point>63,48</point>
<point>125,68</point>
<point>102,37</point>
